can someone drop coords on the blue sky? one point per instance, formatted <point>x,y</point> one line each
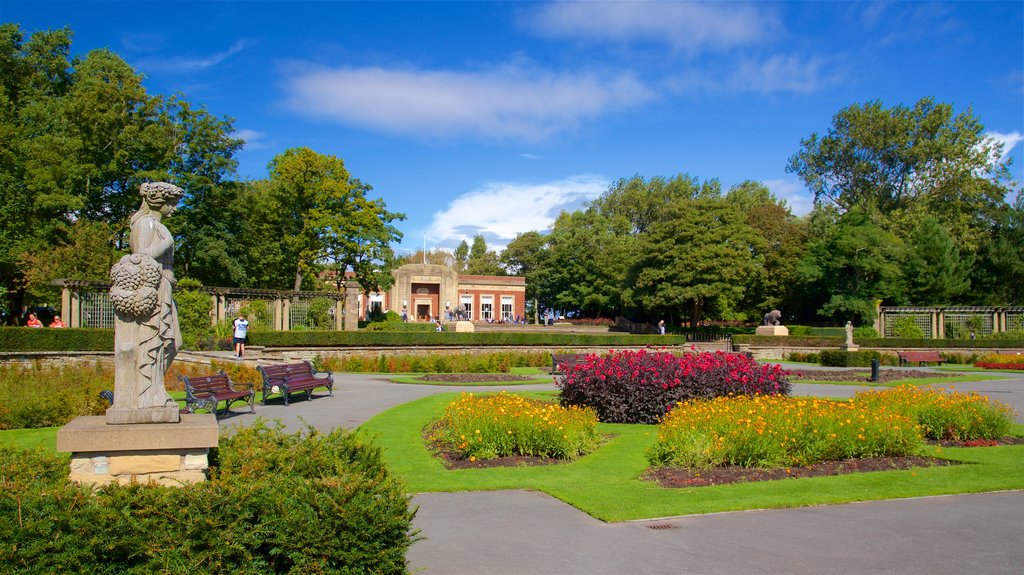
<point>492,117</point>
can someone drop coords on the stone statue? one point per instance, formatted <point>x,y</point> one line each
<point>773,317</point>
<point>849,333</point>
<point>146,334</point>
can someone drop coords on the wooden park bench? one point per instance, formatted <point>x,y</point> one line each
<point>207,391</point>
<point>562,361</point>
<point>286,379</point>
<point>919,357</point>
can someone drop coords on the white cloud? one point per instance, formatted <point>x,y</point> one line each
<point>510,102</point>
<point>682,25</point>
<point>254,140</point>
<point>528,156</point>
<point>799,200</point>
<point>781,73</point>
<point>500,210</point>
<point>1009,142</point>
<point>193,64</point>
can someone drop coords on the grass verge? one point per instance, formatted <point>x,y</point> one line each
<point>606,483</point>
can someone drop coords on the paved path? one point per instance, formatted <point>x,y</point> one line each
<point>525,532</point>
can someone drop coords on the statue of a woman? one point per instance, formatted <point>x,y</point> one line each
<point>146,334</point>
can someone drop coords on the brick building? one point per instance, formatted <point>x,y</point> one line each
<point>427,291</point>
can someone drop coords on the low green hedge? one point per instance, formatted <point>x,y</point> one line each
<point>435,339</point>
<point>843,358</point>
<point>50,339</point>
<point>886,342</point>
<point>276,503</point>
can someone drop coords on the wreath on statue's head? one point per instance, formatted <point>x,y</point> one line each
<point>136,279</point>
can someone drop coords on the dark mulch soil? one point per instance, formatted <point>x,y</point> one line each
<point>884,375</point>
<point>681,477</point>
<point>474,377</point>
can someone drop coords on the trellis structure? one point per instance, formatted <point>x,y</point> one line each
<point>86,303</point>
<point>952,322</point>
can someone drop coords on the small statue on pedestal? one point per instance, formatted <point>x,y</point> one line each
<point>146,334</point>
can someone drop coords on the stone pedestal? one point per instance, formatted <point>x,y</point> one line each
<point>464,326</point>
<point>849,347</point>
<point>168,454</point>
<point>165,414</point>
<point>772,330</point>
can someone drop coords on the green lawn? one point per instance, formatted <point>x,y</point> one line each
<point>606,483</point>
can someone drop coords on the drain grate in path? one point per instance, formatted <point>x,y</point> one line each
<point>662,526</point>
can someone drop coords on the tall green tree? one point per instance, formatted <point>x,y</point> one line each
<point>784,239</point>
<point>79,136</point>
<point>935,272</point>
<point>522,257</point>
<point>698,253</point>
<point>461,257</point>
<point>850,263</point>
<point>898,164</point>
<point>482,261</point>
<point>998,277</point>
<point>361,242</point>
<point>584,266</point>
<point>318,216</point>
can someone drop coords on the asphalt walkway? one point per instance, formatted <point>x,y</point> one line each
<point>526,532</point>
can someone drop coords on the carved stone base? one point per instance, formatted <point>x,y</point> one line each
<point>165,414</point>
<point>162,454</point>
<point>772,330</point>
<point>849,347</point>
<point>464,326</point>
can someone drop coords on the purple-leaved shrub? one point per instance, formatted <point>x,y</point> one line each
<point>641,386</point>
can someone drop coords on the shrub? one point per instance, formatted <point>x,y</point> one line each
<point>802,357</point>
<point>843,358</point>
<point>943,415</point>
<point>276,503</point>
<point>452,339</point>
<point>498,425</point>
<point>194,308</point>
<point>48,339</point>
<point>905,327</point>
<point>640,386</point>
<point>773,431</point>
<point>864,331</point>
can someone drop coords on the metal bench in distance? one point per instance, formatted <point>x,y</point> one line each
<point>286,379</point>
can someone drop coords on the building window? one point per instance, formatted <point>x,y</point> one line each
<point>487,308</point>
<point>506,308</point>
<point>467,307</point>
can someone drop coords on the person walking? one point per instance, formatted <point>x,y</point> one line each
<point>241,328</point>
<point>661,327</point>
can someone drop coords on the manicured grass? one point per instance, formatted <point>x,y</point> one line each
<point>971,368</point>
<point>45,437</point>
<point>606,483</point>
<point>912,381</point>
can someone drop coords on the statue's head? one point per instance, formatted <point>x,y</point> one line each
<point>160,196</point>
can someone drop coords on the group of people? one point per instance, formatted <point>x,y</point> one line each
<point>33,321</point>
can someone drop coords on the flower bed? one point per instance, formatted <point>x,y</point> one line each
<point>640,386</point>
<point>780,431</point>
<point>770,431</point>
<point>504,424</point>
<point>943,416</point>
<point>1001,361</point>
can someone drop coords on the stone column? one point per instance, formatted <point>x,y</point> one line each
<point>351,308</point>
<point>65,306</point>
